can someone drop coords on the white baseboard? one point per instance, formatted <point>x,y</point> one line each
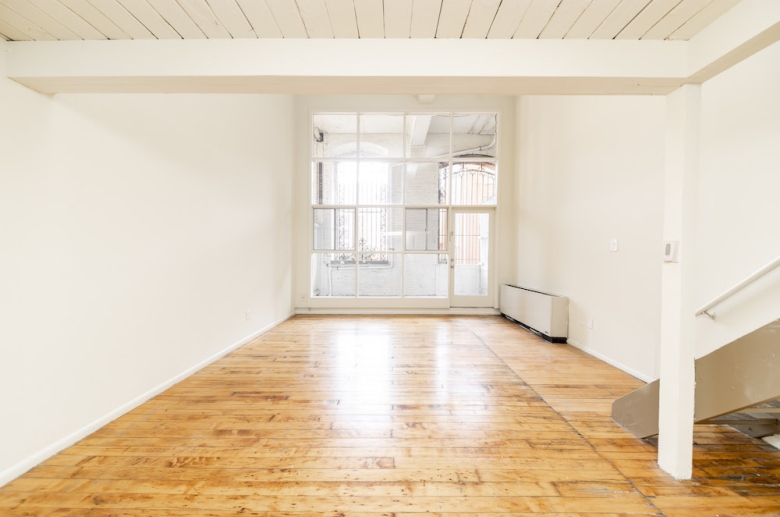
<point>465,311</point>
<point>639,375</point>
<point>26,464</point>
<point>773,440</point>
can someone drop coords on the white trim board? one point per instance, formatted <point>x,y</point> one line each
<point>598,355</point>
<point>464,311</point>
<point>28,463</point>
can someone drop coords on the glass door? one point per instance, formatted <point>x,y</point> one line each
<point>471,258</point>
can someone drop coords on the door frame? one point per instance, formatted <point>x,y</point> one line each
<point>473,301</point>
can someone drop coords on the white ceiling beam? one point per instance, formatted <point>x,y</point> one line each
<point>302,65</point>
<point>748,27</point>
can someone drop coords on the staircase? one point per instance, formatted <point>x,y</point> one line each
<point>733,379</point>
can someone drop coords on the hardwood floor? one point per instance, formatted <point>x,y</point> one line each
<point>370,416</point>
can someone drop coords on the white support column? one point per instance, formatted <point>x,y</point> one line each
<point>675,442</point>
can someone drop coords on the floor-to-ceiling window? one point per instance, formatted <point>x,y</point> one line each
<point>394,200</point>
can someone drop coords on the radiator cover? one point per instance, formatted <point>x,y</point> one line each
<point>545,314</point>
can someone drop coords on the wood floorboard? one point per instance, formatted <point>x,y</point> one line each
<point>393,417</point>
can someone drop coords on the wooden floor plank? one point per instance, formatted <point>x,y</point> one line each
<point>397,416</point>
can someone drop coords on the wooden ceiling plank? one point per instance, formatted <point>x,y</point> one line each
<point>589,20</point>
<point>452,18</point>
<point>174,14</point>
<point>200,13</point>
<point>315,18</point>
<point>69,19</point>
<point>703,18</point>
<point>95,18</point>
<point>41,19</point>
<point>649,16</point>
<point>425,18</point>
<point>536,18</point>
<point>114,11</point>
<point>232,18</point>
<point>481,17</point>
<point>398,18</point>
<point>564,18</point>
<point>150,18</point>
<point>287,17</point>
<point>508,18</point>
<point>370,18</point>
<point>343,21</point>
<point>619,18</point>
<point>675,19</point>
<point>258,14</point>
<point>23,25</point>
<point>12,33</point>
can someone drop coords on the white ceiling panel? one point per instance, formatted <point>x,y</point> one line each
<point>23,25</point>
<point>649,16</point>
<point>398,19</point>
<point>173,13</point>
<point>675,19</point>
<point>370,18</point>
<point>232,18</point>
<point>536,18</point>
<point>508,18</point>
<point>481,17</point>
<point>150,19</point>
<point>564,18</point>
<point>287,17</point>
<point>129,24</point>
<point>619,18</point>
<point>315,18</point>
<point>68,18</point>
<point>452,18</point>
<point>591,18</point>
<point>11,32</point>
<point>95,18</point>
<point>425,18</point>
<point>41,19</point>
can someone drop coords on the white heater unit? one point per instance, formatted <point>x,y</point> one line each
<point>545,314</point>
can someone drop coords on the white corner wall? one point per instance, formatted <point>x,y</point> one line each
<point>739,199</point>
<point>136,231</point>
<point>590,169</point>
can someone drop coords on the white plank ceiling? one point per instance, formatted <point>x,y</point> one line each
<point>190,19</point>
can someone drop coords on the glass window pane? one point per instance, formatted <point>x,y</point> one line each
<point>334,135</point>
<point>380,183</point>
<point>474,135</point>
<point>332,274</point>
<point>426,229</point>
<point>379,231</point>
<point>380,277</point>
<point>471,237</point>
<point>426,183</point>
<point>427,135</point>
<point>333,183</point>
<point>474,183</point>
<point>426,274</point>
<point>381,136</point>
<point>334,229</point>
<point>323,229</point>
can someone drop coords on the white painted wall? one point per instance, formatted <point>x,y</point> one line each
<point>739,204</point>
<point>591,169</point>
<point>134,233</point>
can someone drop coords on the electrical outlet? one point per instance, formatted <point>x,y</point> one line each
<point>613,245</point>
<point>590,323</point>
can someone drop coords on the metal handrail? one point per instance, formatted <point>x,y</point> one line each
<point>704,309</point>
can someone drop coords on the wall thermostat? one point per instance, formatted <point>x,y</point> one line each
<point>671,251</point>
